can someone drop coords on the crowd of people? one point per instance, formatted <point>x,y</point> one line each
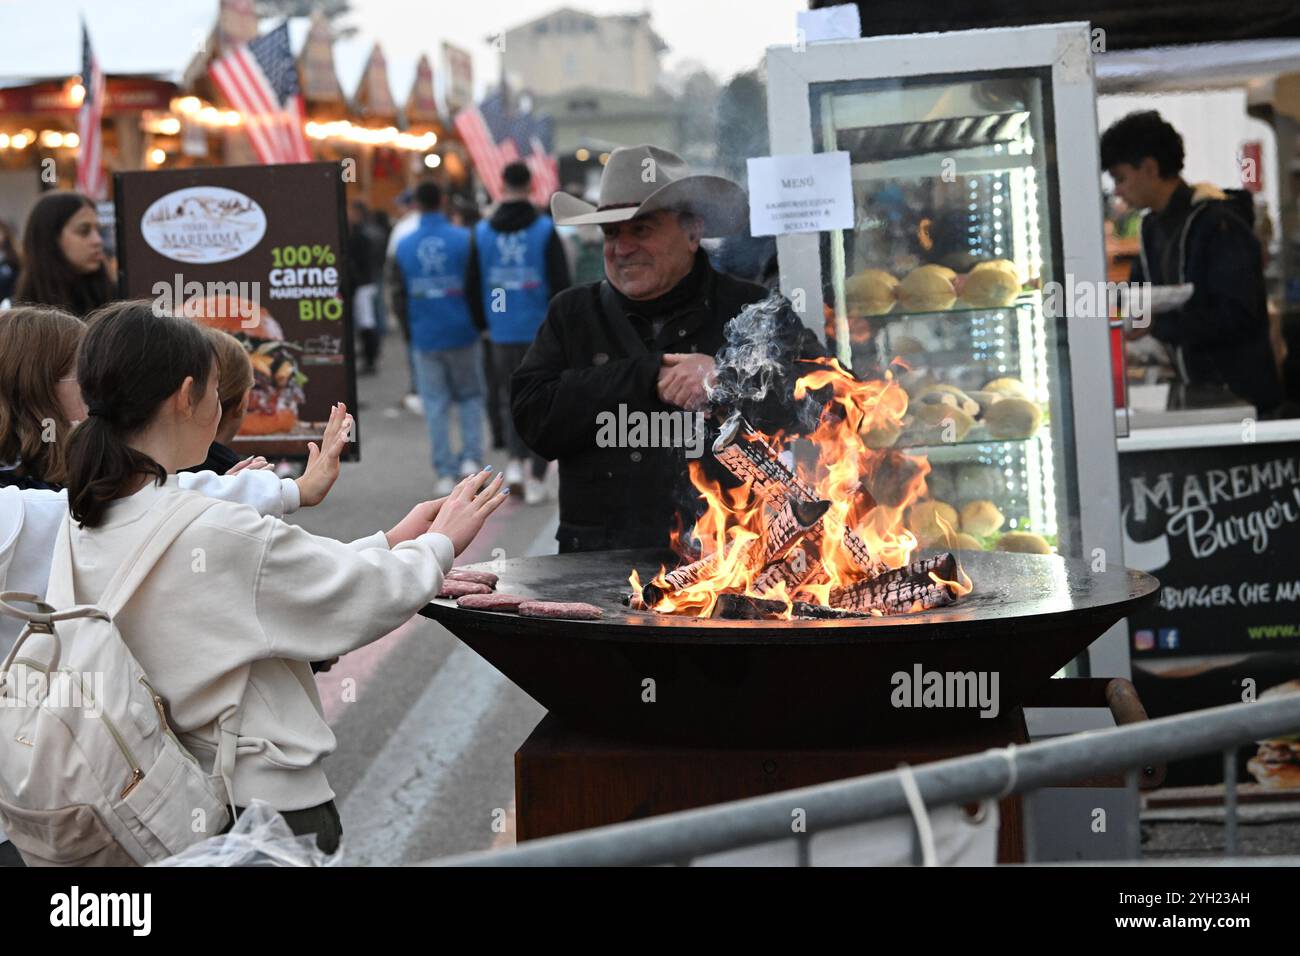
<point>116,416</point>
<point>111,412</point>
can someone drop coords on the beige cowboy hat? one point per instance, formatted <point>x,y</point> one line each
<point>643,179</point>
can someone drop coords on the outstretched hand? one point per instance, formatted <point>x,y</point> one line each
<point>323,463</point>
<point>464,511</point>
<point>416,522</point>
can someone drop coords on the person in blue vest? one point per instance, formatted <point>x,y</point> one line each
<point>517,265</point>
<point>431,263</point>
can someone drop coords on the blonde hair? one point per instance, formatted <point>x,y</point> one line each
<point>236,371</point>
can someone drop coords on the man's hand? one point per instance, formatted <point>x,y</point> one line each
<point>323,463</point>
<point>682,378</point>
<point>415,523</point>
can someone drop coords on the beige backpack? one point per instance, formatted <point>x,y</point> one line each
<point>91,773</point>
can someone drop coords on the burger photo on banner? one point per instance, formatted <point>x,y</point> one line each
<point>278,381</point>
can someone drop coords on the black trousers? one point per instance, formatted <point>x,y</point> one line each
<point>322,820</point>
<point>506,358</point>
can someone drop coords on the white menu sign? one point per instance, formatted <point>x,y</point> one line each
<point>790,194</point>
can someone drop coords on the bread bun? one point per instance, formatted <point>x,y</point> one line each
<point>985,399</point>
<point>928,289</point>
<point>1023,542</point>
<point>935,423</point>
<point>924,520</point>
<point>981,518</point>
<point>1013,418</point>
<point>881,435</point>
<point>870,292</point>
<point>1002,265</point>
<point>949,395</point>
<point>965,542</point>
<point>990,288</point>
<point>1009,387</point>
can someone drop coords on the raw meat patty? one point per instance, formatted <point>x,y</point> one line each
<point>574,610</point>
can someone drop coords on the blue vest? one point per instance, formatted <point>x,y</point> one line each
<point>513,270</point>
<point>433,259</point>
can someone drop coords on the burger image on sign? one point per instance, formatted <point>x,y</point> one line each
<point>203,224</point>
<point>1277,763</point>
<point>277,381</point>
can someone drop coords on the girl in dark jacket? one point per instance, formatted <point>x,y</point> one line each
<point>63,256</point>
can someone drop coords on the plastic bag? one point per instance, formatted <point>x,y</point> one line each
<point>260,837</point>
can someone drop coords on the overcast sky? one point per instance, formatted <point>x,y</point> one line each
<point>727,36</point>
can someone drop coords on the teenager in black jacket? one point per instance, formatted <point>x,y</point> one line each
<point>1201,236</point>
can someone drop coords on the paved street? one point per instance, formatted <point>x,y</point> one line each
<point>426,729</point>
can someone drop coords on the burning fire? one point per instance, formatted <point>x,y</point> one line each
<point>831,533</point>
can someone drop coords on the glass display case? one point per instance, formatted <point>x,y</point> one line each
<point>973,159</point>
<point>941,279</point>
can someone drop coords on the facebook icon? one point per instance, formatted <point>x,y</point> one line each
<point>1169,638</point>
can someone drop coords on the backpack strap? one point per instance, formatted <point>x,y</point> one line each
<point>40,621</point>
<point>176,517</point>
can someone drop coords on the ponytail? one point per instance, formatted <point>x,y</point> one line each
<point>130,362</point>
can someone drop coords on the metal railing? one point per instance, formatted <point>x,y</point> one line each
<point>679,838</point>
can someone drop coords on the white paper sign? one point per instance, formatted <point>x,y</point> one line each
<point>790,194</point>
<point>840,22</point>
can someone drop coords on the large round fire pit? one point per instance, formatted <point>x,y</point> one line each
<point>688,680</point>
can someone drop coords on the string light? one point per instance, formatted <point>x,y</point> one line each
<point>388,136</point>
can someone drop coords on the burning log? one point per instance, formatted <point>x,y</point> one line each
<point>792,522</point>
<point>744,453</point>
<point>743,607</point>
<point>899,591</point>
<point>795,569</point>
<point>747,456</point>
<point>681,578</point>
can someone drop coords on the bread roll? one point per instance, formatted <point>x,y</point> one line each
<point>937,423</point>
<point>1010,387</point>
<point>870,292</point>
<point>924,517</point>
<point>990,288</point>
<point>949,395</point>
<point>882,435</point>
<point>1004,265</point>
<point>927,289</point>
<point>1013,418</point>
<point>965,542</point>
<point>1023,542</point>
<point>981,518</point>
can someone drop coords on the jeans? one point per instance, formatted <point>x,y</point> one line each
<point>444,377</point>
<point>509,357</point>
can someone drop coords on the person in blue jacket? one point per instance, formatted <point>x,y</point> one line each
<point>517,264</point>
<point>431,263</point>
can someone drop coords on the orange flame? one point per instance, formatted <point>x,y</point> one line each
<point>869,487</point>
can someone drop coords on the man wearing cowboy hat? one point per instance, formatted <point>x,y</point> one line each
<point>643,338</point>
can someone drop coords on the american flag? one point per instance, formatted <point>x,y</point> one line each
<point>495,134</point>
<point>483,149</point>
<point>546,176</point>
<point>260,80</point>
<point>91,180</point>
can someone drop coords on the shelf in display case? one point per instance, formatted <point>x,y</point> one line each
<point>1024,300</point>
<point>925,167</point>
<point>957,452</point>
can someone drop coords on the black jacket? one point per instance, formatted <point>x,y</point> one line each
<point>591,355</point>
<point>512,217</point>
<point>1220,336</point>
